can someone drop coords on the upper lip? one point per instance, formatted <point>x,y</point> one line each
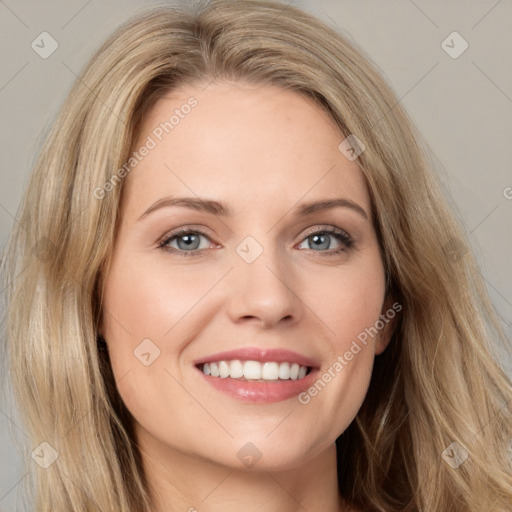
<point>278,355</point>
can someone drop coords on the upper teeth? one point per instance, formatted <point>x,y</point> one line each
<point>254,370</point>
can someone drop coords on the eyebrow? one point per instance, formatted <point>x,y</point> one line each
<point>221,209</point>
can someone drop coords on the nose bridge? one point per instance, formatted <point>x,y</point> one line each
<point>262,283</point>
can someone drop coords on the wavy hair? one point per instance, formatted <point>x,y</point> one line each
<point>437,393</point>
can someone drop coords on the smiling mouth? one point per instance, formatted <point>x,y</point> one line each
<point>254,371</point>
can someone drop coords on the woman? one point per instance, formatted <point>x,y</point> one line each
<point>235,283</point>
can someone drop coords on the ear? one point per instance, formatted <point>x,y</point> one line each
<point>388,317</point>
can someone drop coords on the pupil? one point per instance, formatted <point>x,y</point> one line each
<point>188,240</point>
<point>317,238</point>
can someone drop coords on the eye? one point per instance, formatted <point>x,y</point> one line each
<point>320,240</point>
<point>188,241</point>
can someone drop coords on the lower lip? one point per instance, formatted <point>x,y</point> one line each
<point>261,392</point>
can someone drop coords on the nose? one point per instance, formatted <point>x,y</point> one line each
<point>265,292</point>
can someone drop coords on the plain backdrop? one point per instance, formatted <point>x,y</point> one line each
<point>461,102</point>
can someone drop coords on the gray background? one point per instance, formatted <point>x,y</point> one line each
<point>463,107</point>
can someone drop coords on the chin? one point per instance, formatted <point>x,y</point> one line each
<point>264,455</point>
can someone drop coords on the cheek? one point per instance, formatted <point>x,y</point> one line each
<point>150,313</point>
<point>349,307</point>
<point>148,301</point>
<point>348,300</point>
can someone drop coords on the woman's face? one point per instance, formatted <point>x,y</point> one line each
<point>272,270</point>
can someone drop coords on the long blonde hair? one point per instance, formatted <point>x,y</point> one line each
<point>437,393</point>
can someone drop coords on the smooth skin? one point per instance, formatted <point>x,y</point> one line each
<point>263,151</point>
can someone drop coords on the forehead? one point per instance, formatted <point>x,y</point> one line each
<point>242,143</point>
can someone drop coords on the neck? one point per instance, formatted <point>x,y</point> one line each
<point>181,481</point>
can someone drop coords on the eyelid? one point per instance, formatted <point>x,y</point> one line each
<point>196,228</point>
<point>325,227</point>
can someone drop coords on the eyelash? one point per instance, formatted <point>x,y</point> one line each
<point>339,234</point>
